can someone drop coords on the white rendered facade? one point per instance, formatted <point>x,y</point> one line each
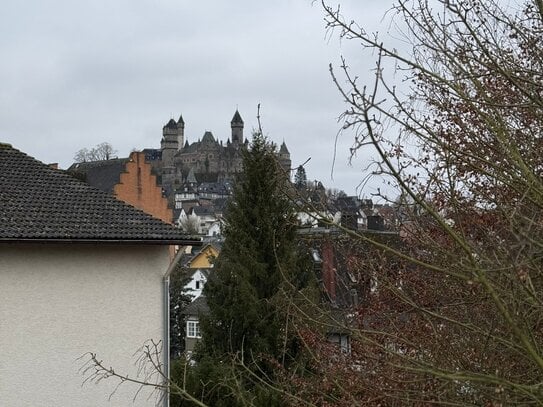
<point>59,301</point>
<point>195,285</point>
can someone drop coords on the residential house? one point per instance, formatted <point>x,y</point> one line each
<point>215,229</point>
<point>131,180</point>
<point>349,212</point>
<point>192,313</point>
<point>196,270</point>
<point>188,190</point>
<point>205,256</point>
<point>199,268</point>
<point>204,216</point>
<point>197,278</point>
<point>80,271</point>
<point>215,190</point>
<point>316,215</point>
<point>189,281</point>
<point>344,268</point>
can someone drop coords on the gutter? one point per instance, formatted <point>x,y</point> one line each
<point>166,318</point>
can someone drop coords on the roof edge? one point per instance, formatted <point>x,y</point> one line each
<point>163,242</point>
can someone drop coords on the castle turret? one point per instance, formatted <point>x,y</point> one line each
<point>169,146</point>
<point>237,129</point>
<point>170,140</point>
<point>180,132</point>
<point>284,157</point>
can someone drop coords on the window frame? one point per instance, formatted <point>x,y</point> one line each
<point>193,329</point>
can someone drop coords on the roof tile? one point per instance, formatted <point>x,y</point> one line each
<point>38,202</point>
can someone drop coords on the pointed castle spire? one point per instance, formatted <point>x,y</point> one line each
<point>237,128</point>
<point>283,149</point>
<point>237,118</point>
<point>170,125</point>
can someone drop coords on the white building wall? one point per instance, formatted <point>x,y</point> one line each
<point>59,302</point>
<point>215,229</point>
<point>195,285</point>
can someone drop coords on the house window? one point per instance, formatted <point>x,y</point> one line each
<point>342,340</point>
<point>193,329</point>
<point>197,285</point>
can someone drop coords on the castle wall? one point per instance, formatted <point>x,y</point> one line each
<point>209,159</point>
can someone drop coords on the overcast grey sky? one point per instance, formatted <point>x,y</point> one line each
<point>77,73</point>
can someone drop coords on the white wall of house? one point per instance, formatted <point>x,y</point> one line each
<point>204,222</point>
<point>311,218</point>
<point>215,229</point>
<point>58,302</point>
<point>195,285</point>
<point>306,219</point>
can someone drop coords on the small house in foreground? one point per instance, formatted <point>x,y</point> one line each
<point>79,272</point>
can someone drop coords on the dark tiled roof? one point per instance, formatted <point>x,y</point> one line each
<point>220,204</point>
<point>213,187</point>
<point>347,203</point>
<point>202,210</point>
<point>103,175</point>
<point>181,121</point>
<point>39,203</point>
<point>189,204</point>
<point>171,124</point>
<point>197,307</point>
<point>237,118</point>
<point>215,241</point>
<point>191,148</point>
<point>187,188</point>
<point>208,138</point>
<point>284,149</point>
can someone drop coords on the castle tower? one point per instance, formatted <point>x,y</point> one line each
<point>237,129</point>
<point>180,132</point>
<point>284,157</point>
<point>169,145</point>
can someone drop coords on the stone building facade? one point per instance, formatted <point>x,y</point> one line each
<point>208,159</point>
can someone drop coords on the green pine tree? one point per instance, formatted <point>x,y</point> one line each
<point>253,277</point>
<point>300,179</point>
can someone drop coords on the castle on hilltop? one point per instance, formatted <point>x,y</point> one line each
<point>204,161</point>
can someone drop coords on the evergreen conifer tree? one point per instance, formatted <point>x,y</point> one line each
<point>300,178</point>
<point>246,320</point>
